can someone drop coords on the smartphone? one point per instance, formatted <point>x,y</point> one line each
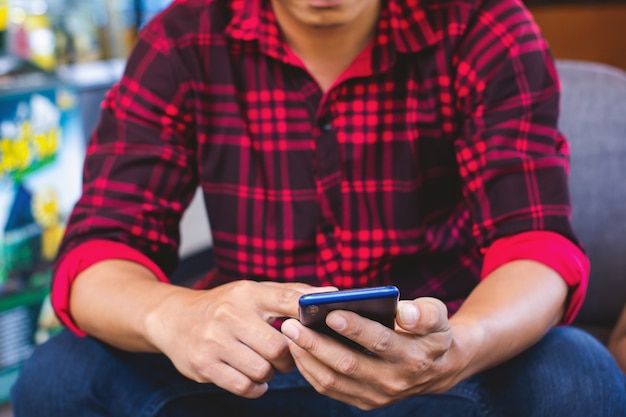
<point>378,304</point>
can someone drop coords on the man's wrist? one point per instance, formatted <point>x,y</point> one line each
<point>468,340</point>
<point>160,315</point>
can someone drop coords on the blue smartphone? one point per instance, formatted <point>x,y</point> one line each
<point>378,304</point>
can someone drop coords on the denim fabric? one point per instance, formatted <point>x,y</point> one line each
<point>568,373</point>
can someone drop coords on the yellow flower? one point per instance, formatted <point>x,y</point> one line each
<point>15,155</point>
<point>45,207</point>
<point>46,143</point>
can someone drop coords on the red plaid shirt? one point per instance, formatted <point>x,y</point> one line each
<point>438,140</point>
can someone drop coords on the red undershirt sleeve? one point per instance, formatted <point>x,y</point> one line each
<point>81,258</point>
<point>550,249</point>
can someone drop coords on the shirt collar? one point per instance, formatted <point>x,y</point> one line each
<point>404,21</point>
<point>408,25</point>
<point>255,20</point>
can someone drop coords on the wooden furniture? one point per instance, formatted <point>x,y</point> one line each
<point>584,31</point>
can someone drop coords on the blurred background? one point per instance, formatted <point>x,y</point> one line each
<point>57,60</point>
<point>54,33</point>
<point>593,30</point>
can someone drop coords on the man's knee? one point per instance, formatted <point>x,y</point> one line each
<point>70,376</point>
<point>569,350</point>
<point>567,370</point>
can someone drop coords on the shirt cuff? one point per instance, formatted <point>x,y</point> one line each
<point>81,258</point>
<point>551,249</point>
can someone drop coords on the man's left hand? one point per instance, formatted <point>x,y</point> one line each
<point>419,357</point>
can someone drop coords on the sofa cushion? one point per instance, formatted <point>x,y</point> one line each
<point>593,118</point>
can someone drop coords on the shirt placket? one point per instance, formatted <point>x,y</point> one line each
<point>328,183</point>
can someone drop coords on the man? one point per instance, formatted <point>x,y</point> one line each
<point>344,143</point>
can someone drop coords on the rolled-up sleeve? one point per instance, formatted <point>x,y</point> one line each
<point>139,172</point>
<point>82,257</point>
<point>552,250</point>
<point>512,158</point>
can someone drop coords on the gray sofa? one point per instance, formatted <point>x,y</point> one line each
<point>593,117</point>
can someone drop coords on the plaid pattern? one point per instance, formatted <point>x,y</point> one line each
<point>439,139</point>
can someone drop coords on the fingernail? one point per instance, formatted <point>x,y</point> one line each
<point>337,322</point>
<point>408,314</point>
<point>290,331</point>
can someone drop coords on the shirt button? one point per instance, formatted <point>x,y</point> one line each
<point>327,127</point>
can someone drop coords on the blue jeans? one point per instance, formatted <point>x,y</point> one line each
<point>568,373</point>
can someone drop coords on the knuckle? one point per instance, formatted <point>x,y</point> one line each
<point>195,376</point>
<point>348,364</point>
<point>277,347</point>
<point>366,406</point>
<point>206,374</point>
<point>383,342</point>
<point>242,387</point>
<point>247,285</point>
<point>417,367</point>
<point>439,390</point>
<point>193,358</point>
<point>354,329</point>
<point>238,288</point>
<point>377,401</point>
<point>328,383</point>
<point>310,344</point>
<point>434,312</point>
<point>392,387</point>
<point>438,345</point>
<point>439,350</point>
<point>287,296</point>
<point>276,355</point>
<point>262,372</point>
<point>197,360</point>
<point>248,290</point>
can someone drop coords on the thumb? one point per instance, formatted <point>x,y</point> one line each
<point>423,316</point>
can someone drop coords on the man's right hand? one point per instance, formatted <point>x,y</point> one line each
<point>224,336</point>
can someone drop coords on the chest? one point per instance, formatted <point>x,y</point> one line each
<point>260,111</point>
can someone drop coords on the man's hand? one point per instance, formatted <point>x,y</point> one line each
<point>416,358</point>
<point>224,336</point>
